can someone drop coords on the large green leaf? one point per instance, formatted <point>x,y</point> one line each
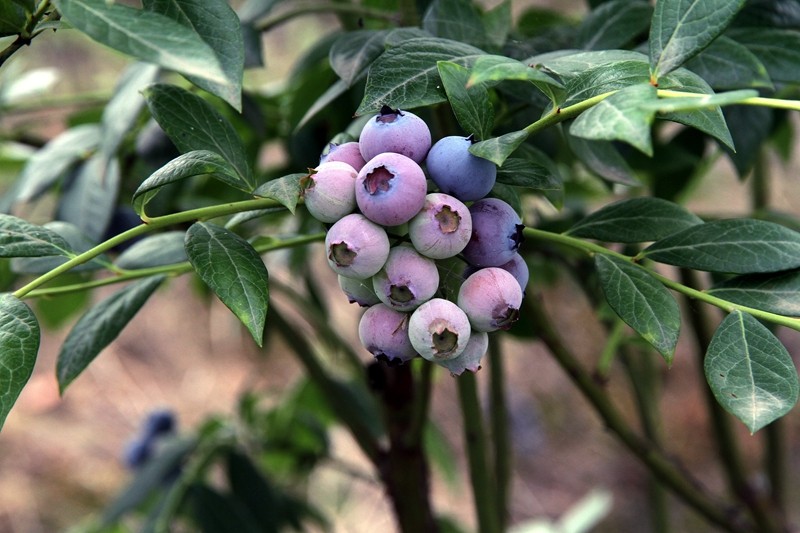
<point>405,76</point>
<point>19,238</point>
<point>778,50</point>
<point>750,372</point>
<point>145,35</point>
<point>99,326</point>
<point>121,112</point>
<point>777,293</point>
<point>230,266</point>
<point>285,190</point>
<point>458,20</point>
<point>532,169</point>
<point>613,24</point>
<point>90,198</point>
<point>737,246</point>
<point>193,124</point>
<point>51,161</point>
<point>624,116</point>
<point>19,345</point>
<point>188,165</point>
<point>570,63</point>
<point>682,28</point>
<point>77,242</point>
<point>492,68</point>
<point>497,149</point>
<point>217,24</point>
<point>603,158</point>
<point>635,220</point>
<point>642,302</point>
<point>470,105</point>
<point>155,250</point>
<point>353,52</point>
<point>12,19</point>
<point>726,64</point>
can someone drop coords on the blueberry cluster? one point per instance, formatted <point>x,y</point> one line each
<point>394,228</point>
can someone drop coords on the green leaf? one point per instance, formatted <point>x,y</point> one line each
<point>147,36</point>
<point>682,28</point>
<point>736,246</point>
<point>99,326</point>
<point>642,302</point>
<point>353,52</point>
<point>155,250</point>
<point>77,242</point>
<point>471,105</point>
<point>12,19</point>
<point>778,50</point>
<point>19,238</point>
<point>750,372</point>
<point>458,20</point>
<point>219,27</point>
<point>405,76</point>
<point>613,24</point>
<point>497,149</point>
<point>50,162</point>
<point>285,190</point>
<point>635,220</point>
<point>602,158</point>
<point>532,170</point>
<point>19,345</point>
<point>497,23</point>
<point>323,102</point>
<point>726,64</point>
<point>121,112</point>
<point>193,124</point>
<point>491,68</point>
<point>750,127</point>
<point>605,77</point>
<point>777,293</point>
<point>623,116</point>
<point>188,165</point>
<point>570,63</point>
<point>230,266</point>
<point>90,198</point>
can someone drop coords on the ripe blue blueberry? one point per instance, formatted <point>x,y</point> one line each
<point>358,291</point>
<point>349,153</point>
<point>384,333</point>
<point>496,233</point>
<point>392,130</point>
<point>137,452</point>
<point>470,358</point>
<point>459,173</point>
<point>442,228</point>
<point>330,191</point>
<point>390,189</point>
<point>491,298</point>
<point>439,330</point>
<point>159,422</point>
<point>356,247</point>
<point>407,280</point>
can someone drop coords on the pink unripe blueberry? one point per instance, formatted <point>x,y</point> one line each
<point>330,191</point>
<point>459,173</point>
<point>407,280</point>
<point>356,247</point>
<point>470,358</point>
<point>349,153</point>
<point>442,228</point>
<point>390,189</point>
<point>358,291</point>
<point>384,333</point>
<point>392,130</point>
<point>517,267</point>
<point>496,233</point>
<point>491,298</point>
<point>439,330</point>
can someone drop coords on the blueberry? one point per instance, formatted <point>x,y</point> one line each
<point>159,422</point>
<point>356,247</point>
<point>459,173</point>
<point>517,267</point>
<point>384,333</point>
<point>358,291</point>
<point>496,233</point>
<point>137,453</point>
<point>349,153</point>
<point>439,330</point>
<point>407,280</point>
<point>390,189</point>
<point>442,228</point>
<point>470,358</point>
<point>330,191</point>
<point>491,298</point>
<point>391,130</point>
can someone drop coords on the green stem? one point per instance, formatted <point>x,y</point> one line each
<point>609,353</point>
<point>325,7</point>
<point>27,34</point>
<point>420,404</point>
<point>151,224</point>
<point>679,481</point>
<point>592,248</point>
<point>500,434</point>
<point>777,103</point>
<point>561,114</point>
<point>475,441</point>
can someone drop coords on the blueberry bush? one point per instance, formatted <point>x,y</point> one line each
<point>448,159</point>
